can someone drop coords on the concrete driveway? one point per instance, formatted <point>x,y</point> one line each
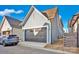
<point>23,50</point>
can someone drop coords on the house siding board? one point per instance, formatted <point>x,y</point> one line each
<point>60,32</point>
<point>60,26</point>
<point>40,37</point>
<point>36,19</point>
<point>60,29</point>
<point>19,33</point>
<point>6,26</point>
<point>70,40</point>
<point>54,30</point>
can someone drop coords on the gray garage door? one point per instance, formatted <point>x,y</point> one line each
<point>40,37</point>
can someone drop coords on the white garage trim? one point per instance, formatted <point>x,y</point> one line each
<point>48,40</point>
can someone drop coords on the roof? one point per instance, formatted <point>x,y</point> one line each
<point>73,20</point>
<point>49,14</point>
<point>12,21</point>
<point>27,16</point>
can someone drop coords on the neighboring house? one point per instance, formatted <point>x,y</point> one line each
<point>10,26</point>
<point>42,26</point>
<point>73,24</point>
<point>72,38</point>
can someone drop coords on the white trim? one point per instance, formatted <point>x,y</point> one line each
<point>34,27</point>
<point>27,16</point>
<point>48,40</point>
<point>47,35</point>
<point>2,23</point>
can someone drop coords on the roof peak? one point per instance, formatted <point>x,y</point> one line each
<point>11,18</point>
<point>51,13</point>
<point>55,8</point>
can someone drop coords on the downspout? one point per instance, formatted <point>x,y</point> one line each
<point>50,25</point>
<point>49,32</point>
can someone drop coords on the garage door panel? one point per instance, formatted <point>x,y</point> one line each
<point>40,37</point>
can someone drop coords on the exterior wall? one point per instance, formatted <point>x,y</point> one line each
<point>70,40</point>
<point>35,20</point>
<point>60,27</point>
<point>6,26</point>
<point>40,37</point>
<point>60,32</point>
<point>19,33</point>
<point>55,31</point>
<point>75,27</point>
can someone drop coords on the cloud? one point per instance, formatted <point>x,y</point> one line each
<point>60,16</point>
<point>10,11</point>
<point>65,30</point>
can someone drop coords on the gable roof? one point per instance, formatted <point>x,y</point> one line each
<point>49,14</point>
<point>73,20</point>
<point>27,16</point>
<point>12,21</point>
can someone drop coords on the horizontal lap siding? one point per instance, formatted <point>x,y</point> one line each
<point>70,40</point>
<point>55,30</point>
<point>19,33</point>
<point>40,37</point>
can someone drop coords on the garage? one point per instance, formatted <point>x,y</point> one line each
<point>37,27</point>
<point>40,37</point>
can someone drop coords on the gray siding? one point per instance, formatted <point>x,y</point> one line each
<point>54,30</point>
<point>19,33</point>
<point>61,32</point>
<point>40,37</point>
<point>60,27</point>
<point>70,40</point>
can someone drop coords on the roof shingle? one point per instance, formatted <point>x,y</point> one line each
<point>51,13</point>
<point>13,22</point>
<point>74,19</point>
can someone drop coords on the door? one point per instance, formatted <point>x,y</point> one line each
<point>40,37</point>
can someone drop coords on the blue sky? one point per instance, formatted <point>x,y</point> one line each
<point>19,11</point>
